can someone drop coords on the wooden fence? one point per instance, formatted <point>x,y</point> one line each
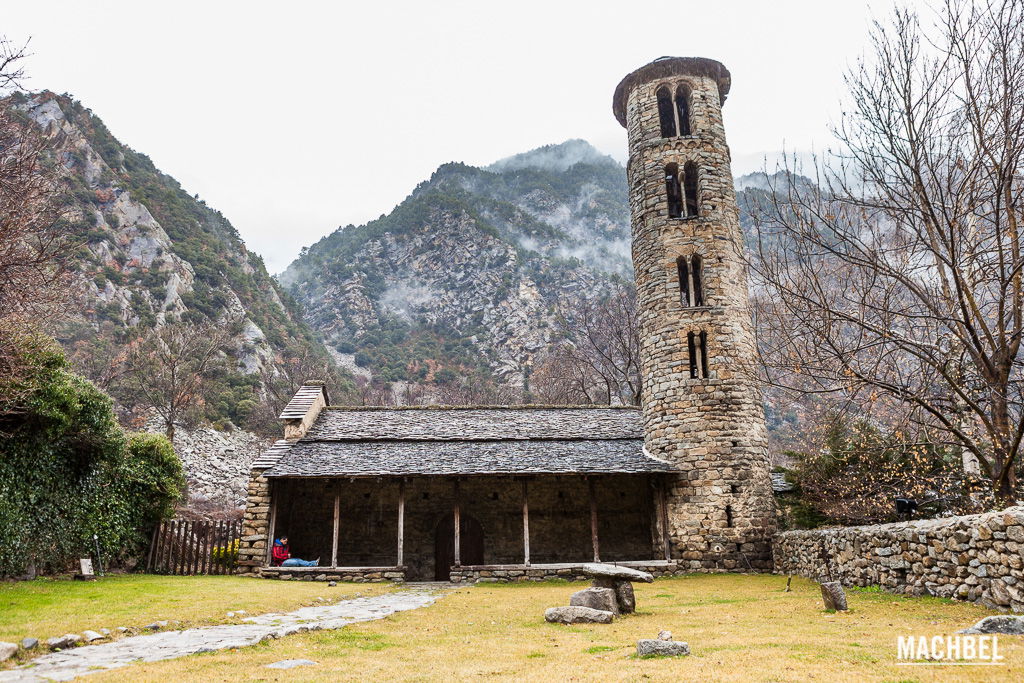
<point>182,546</point>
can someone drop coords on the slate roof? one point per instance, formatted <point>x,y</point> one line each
<point>466,441</point>
<point>475,424</point>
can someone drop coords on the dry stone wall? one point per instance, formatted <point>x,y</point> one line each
<point>721,511</point>
<point>979,558</point>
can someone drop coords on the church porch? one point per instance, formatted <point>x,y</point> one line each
<point>527,527</point>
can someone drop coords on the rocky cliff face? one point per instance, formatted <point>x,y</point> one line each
<point>473,269</point>
<point>150,252</point>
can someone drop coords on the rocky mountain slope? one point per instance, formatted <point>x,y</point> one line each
<point>471,272</point>
<point>150,252</point>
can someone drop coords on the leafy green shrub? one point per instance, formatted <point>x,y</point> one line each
<point>68,471</point>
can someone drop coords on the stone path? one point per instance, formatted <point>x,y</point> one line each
<point>66,665</point>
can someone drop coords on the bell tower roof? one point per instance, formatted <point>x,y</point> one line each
<point>664,67</point>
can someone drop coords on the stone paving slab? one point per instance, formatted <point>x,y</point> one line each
<point>80,661</point>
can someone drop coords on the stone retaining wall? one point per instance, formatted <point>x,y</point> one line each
<point>979,558</point>
<point>543,572</point>
<point>356,574</point>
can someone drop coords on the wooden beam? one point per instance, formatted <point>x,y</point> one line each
<point>593,519</point>
<point>664,521</point>
<point>337,524</point>
<point>274,491</point>
<point>401,523</point>
<point>458,529</point>
<point>526,526</point>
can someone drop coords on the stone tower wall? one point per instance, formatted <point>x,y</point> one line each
<point>721,510</point>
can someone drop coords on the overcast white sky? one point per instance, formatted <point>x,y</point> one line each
<point>293,118</point>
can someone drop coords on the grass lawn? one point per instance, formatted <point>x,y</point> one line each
<point>44,608</point>
<point>739,628</point>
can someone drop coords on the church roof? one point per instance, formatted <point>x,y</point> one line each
<point>465,441</point>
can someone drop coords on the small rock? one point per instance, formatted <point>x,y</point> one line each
<point>7,650</point>
<point>647,647</point>
<point>577,615</point>
<point>63,642</point>
<point>833,595</point>
<point>1002,623</point>
<point>156,625</point>
<point>239,612</point>
<point>664,635</point>
<point>332,584</point>
<point>105,631</point>
<point>290,663</point>
<point>91,636</point>
<point>230,614</point>
<point>596,598</point>
<point>122,629</point>
<point>29,643</point>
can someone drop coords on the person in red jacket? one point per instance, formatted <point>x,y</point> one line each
<point>281,556</point>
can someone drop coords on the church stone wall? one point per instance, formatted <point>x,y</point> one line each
<point>721,510</point>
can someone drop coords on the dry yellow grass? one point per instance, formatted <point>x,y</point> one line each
<point>742,628</point>
<point>45,608</point>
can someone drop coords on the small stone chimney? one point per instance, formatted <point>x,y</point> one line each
<point>301,412</point>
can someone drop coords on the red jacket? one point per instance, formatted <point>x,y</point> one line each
<point>280,553</point>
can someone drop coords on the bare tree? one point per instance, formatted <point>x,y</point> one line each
<point>894,280</point>
<point>282,378</point>
<point>168,366</point>
<point>599,362</point>
<point>33,249</point>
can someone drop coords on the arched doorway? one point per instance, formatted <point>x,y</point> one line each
<point>472,542</point>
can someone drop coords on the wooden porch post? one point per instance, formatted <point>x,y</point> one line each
<point>458,530</point>
<point>337,524</point>
<point>401,522</point>
<point>664,521</point>
<point>593,519</point>
<point>526,526</point>
<point>274,490</point>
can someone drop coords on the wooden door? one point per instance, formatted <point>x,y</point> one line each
<point>472,541</point>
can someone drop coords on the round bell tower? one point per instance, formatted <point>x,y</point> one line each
<point>702,402</point>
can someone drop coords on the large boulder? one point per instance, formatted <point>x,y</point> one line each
<point>1002,623</point>
<point>647,647</point>
<point>577,615</point>
<point>596,598</point>
<point>614,571</point>
<point>624,594</point>
<point>7,650</point>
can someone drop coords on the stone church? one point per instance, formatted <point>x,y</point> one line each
<point>520,493</point>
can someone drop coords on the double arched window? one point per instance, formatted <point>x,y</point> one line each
<point>691,280</point>
<point>681,190</point>
<point>674,110</point>
<point>697,343</point>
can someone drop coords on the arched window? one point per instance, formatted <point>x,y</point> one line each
<point>697,272</point>
<point>682,109</point>
<point>697,343</point>
<point>665,112</point>
<point>690,189</point>
<point>673,191</point>
<point>684,280</point>
<point>691,280</point>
